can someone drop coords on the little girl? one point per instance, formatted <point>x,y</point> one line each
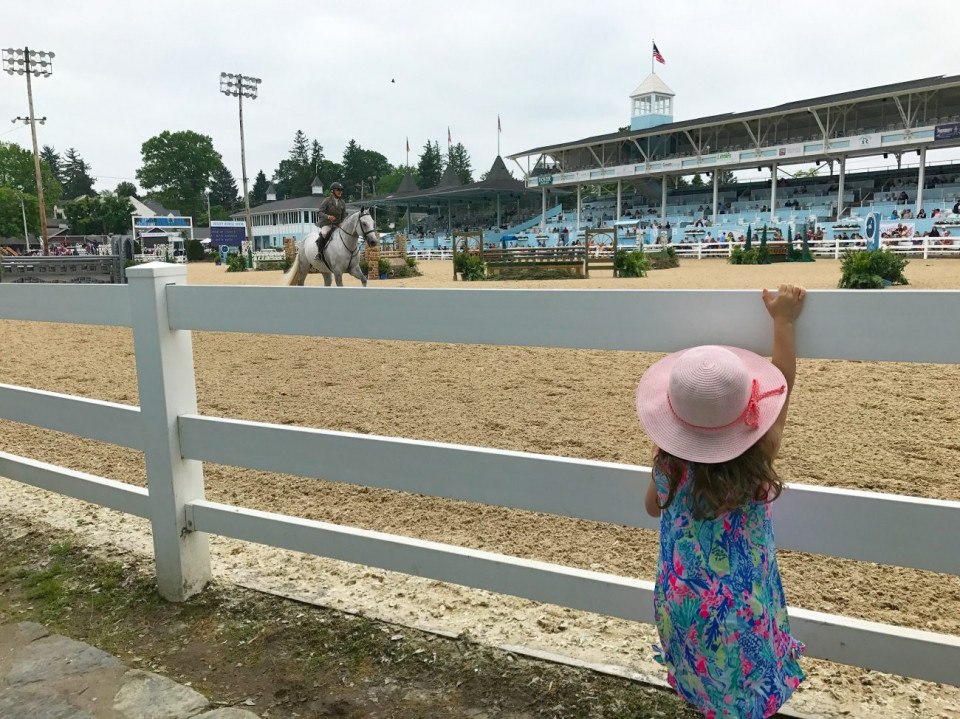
<point>716,415</point>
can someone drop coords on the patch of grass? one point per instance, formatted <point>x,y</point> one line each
<point>295,660</point>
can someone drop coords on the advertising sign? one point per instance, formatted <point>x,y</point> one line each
<point>228,233</point>
<point>872,231</point>
<point>545,180</point>
<point>161,222</point>
<point>947,131</point>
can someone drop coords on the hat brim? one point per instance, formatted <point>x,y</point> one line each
<point>670,434</point>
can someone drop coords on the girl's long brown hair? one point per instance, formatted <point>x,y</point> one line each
<point>722,487</point>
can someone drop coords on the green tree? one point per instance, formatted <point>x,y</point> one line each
<point>430,167</point>
<point>17,171</point>
<point>223,189</point>
<point>75,175</point>
<point>11,214</point>
<point>697,181</point>
<point>362,166</point>
<point>458,156</point>
<point>727,177</point>
<point>177,167</point>
<point>50,156</point>
<point>292,178</point>
<point>391,181</point>
<point>102,214</point>
<point>678,181</point>
<point>125,189</point>
<point>258,193</point>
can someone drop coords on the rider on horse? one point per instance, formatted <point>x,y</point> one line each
<point>332,211</point>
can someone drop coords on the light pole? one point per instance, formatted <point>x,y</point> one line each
<point>241,86</point>
<point>40,63</point>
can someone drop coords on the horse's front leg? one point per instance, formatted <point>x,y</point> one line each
<point>338,276</point>
<point>358,273</point>
<point>327,279</point>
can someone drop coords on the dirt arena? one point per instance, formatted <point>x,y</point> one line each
<point>890,427</point>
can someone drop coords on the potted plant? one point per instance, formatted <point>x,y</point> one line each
<point>383,267</point>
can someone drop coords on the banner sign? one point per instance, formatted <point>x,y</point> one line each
<point>227,223</point>
<point>947,131</point>
<point>545,180</point>
<point>790,150</point>
<point>872,231</point>
<point>228,233</point>
<point>161,222</point>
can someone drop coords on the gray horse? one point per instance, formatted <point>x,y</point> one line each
<point>342,253</point>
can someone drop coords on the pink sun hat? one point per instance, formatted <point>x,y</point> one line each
<point>710,403</point>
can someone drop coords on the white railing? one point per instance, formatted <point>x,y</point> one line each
<point>925,247</point>
<point>176,439</point>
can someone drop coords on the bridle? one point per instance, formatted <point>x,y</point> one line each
<point>358,235</point>
<point>356,250</point>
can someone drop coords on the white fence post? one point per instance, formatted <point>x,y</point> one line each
<point>167,385</point>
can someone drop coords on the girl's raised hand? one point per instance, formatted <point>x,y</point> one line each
<point>787,304</point>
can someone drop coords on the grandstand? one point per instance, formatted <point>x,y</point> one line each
<point>641,164</point>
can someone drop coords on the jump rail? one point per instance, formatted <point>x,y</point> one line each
<point>176,439</point>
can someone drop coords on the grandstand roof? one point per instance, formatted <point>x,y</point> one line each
<point>498,181</point>
<point>938,82</point>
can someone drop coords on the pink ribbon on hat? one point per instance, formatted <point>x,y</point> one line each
<point>750,415</point>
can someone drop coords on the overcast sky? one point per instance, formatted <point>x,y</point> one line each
<point>379,71</point>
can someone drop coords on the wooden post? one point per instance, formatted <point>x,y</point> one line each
<point>167,386</point>
<point>372,256</point>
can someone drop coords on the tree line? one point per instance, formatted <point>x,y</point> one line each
<point>183,171</point>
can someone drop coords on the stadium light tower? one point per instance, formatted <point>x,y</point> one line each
<point>40,63</point>
<point>242,86</point>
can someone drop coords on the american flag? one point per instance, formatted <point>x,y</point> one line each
<point>657,56</point>
<point>408,144</point>
<point>499,129</point>
<point>449,137</point>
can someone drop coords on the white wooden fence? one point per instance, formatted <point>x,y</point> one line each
<point>176,439</point>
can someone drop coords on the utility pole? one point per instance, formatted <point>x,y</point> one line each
<point>241,86</point>
<point>40,63</point>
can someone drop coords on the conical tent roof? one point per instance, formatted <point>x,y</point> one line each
<point>407,184</point>
<point>499,171</point>
<point>450,178</point>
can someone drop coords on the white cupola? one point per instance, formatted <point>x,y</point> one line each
<point>651,104</point>
<point>316,187</point>
<point>271,193</point>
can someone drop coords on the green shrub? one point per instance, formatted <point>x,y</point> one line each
<point>383,266</point>
<point>631,263</point>
<point>195,252</point>
<point>412,261</point>
<point>406,270</point>
<point>364,266</point>
<point>664,259</point>
<point>236,263</point>
<point>473,268</point>
<point>740,256</point>
<point>864,269</point>
<point>460,261</point>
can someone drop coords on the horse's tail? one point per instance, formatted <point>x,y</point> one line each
<point>295,275</point>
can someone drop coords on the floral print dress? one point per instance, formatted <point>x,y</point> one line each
<point>720,610</point>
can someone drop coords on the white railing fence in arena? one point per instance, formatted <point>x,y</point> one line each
<point>175,439</point>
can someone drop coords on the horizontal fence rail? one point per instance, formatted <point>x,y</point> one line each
<point>91,418</point>
<point>917,653</point>
<point>837,324</point>
<point>176,439</point>
<point>866,526</point>
<point>79,485</point>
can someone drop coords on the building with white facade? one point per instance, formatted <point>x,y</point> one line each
<point>276,219</point>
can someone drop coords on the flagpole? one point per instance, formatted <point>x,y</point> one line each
<point>498,136</point>
<point>652,43</point>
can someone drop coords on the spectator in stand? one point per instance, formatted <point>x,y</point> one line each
<point>956,207</point>
<point>922,215</point>
<point>894,215</point>
<point>902,198</point>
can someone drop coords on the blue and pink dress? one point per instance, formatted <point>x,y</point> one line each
<point>720,610</point>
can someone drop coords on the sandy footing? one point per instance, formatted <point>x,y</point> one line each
<point>891,427</point>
